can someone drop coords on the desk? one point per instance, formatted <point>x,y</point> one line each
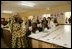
<point>58,37</point>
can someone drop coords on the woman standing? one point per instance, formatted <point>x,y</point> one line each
<point>18,35</point>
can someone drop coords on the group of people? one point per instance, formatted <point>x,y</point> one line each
<point>38,24</point>
<point>31,26</point>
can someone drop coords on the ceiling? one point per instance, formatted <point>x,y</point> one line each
<point>15,7</point>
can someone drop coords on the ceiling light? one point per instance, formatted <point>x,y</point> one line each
<point>25,3</point>
<point>6,12</point>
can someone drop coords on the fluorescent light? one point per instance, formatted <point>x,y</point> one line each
<point>6,12</point>
<point>27,3</point>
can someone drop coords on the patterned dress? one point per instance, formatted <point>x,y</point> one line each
<point>18,35</point>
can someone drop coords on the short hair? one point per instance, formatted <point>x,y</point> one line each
<point>18,20</point>
<point>49,18</point>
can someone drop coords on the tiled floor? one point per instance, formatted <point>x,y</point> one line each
<point>3,45</point>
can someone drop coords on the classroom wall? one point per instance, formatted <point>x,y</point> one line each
<point>53,10</point>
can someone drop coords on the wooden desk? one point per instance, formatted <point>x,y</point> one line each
<point>60,37</point>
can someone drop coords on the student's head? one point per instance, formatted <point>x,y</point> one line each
<point>34,24</point>
<point>48,18</point>
<point>52,19</point>
<point>44,18</point>
<point>18,19</point>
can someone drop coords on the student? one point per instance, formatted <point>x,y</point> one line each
<point>15,25</point>
<point>54,18</point>
<point>35,21</point>
<point>44,23</point>
<point>50,23</point>
<point>39,25</point>
<point>69,20</point>
<point>34,27</point>
<point>55,21</point>
<point>28,24</point>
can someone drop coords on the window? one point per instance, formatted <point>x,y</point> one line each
<point>67,14</point>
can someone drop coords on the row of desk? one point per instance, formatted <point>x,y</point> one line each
<point>58,37</point>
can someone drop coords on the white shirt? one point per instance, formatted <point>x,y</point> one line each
<point>51,25</point>
<point>39,25</point>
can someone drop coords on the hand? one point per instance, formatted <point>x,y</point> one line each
<point>30,28</point>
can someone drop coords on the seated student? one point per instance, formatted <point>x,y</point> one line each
<point>44,23</point>
<point>28,24</point>
<point>54,18</point>
<point>69,20</point>
<point>50,23</point>
<point>34,27</point>
<point>55,21</point>
<point>39,25</point>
